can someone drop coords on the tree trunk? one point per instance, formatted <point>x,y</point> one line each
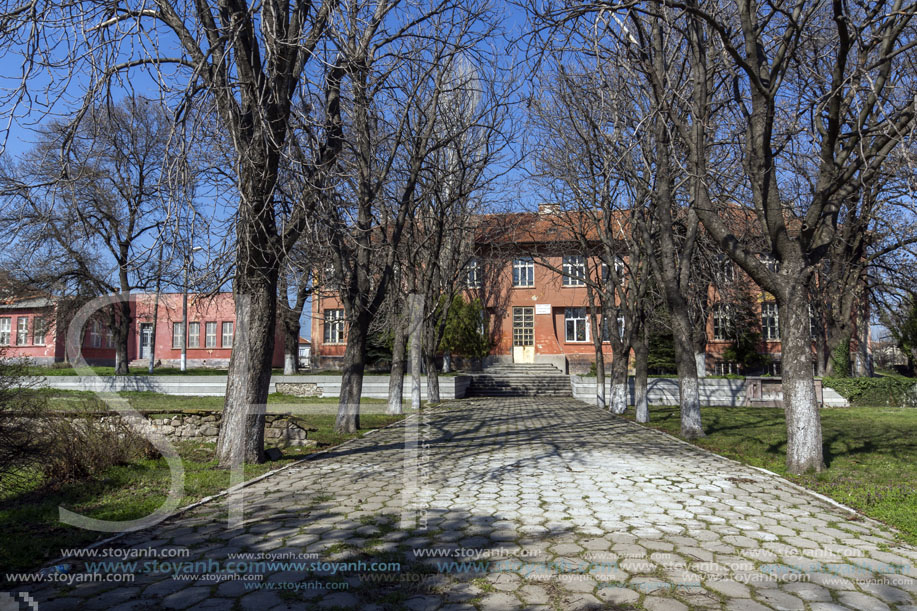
<point>396,379</point>
<point>416,340</point>
<point>432,378</point>
<point>821,355</point>
<point>688,386</point>
<point>290,347</point>
<point>242,429</point>
<point>619,362</point>
<point>700,363</point>
<point>122,334</point>
<point>641,357</point>
<point>600,378</point>
<point>348,418</point>
<point>803,422</point>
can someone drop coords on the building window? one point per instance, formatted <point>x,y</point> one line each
<point>22,331</point>
<point>814,323</point>
<point>194,335</point>
<point>334,326</point>
<point>109,338</point>
<point>178,335</point>
<point>722,322</point>
<point>210,335</point>
<point>724,270</point>
<point>473,274</point>
<point>770,263</point>
<point>227,334</point>
<point>574,270</point>
<point>770,321</point>
<point>606,331</point>
<point>725,368</point>
<point>619,269</point>
<point>524,272</point>
<point>575,325</point>
<point>39,330</point>
<point>5,326</point>
<point>95,334</point>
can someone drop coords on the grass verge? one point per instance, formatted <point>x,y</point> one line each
<point>870,453</point>
<point>32,534</point>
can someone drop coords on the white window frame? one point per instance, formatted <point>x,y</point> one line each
<point>523,266</point>
<point>39,331</point>
<point>725,270</point>
<point>770,311</point>
<point>771,263</point>
<point>224,335</point>
<point>194,334</point>
<point>178,335</point>
<point>6,328</point>
<point>722,321</point>
<point>578,317</point>
<point>210,334</point>
<point>574,270</point>
<point>95,334</point>
<point>334,328</point>
<point>473,274</point>
<point>22,331</point>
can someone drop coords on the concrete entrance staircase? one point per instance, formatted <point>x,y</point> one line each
<point>541,380</point>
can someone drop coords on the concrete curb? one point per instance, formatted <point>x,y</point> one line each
<point>230,490</point>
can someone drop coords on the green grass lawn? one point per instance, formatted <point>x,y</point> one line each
<point>32,534</point>
<point>871,453</point>
<point>152,401</point>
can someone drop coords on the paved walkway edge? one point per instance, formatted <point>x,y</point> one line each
<point>229,490</point>
<point>791,484</point>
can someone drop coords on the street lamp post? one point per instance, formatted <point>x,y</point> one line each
<point>184,310</point>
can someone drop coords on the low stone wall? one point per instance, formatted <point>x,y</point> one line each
<point>374,387</point>
<point>279,429</point>
<point>664,391</point>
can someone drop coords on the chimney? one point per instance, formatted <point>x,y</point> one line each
<point>548,208</point>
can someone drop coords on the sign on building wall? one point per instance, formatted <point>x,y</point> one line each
<point>542,308</point>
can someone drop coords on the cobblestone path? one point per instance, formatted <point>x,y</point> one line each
<point>511,504</point>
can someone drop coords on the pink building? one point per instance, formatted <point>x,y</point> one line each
<point>36,327</point>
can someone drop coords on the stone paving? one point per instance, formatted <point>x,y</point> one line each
<point>515,504</point>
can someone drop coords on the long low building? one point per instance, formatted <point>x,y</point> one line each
<point>36,327</point>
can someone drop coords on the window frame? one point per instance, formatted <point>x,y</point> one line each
<point>473,274</point>
<point>223,334</point>
<point>194,334</point>
<point>573,270</point>
<point>6,330</point>
<point>95,334</point>
<point>39,324</point>
<point>520,265</point>
<point>723,321</point>
<point>333,327</point>
<point>180,336</point>
<point>770,311</point>
<point>210,339</point>
<point>576,315</point>
<point>22,331</point>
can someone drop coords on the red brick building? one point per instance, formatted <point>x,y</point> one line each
<point>536,314</point>
<point>36,327</point>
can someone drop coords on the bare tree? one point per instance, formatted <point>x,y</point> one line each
<point>395,127</point>
<point>245,66</point>
<point>94,215</point>
<point>585,167</point>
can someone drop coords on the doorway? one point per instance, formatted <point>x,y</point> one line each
<point>524,334</point>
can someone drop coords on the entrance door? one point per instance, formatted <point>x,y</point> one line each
<point>524,334</point>
<point>146,340</point>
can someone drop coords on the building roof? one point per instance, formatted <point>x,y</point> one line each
<point>16,303</point>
